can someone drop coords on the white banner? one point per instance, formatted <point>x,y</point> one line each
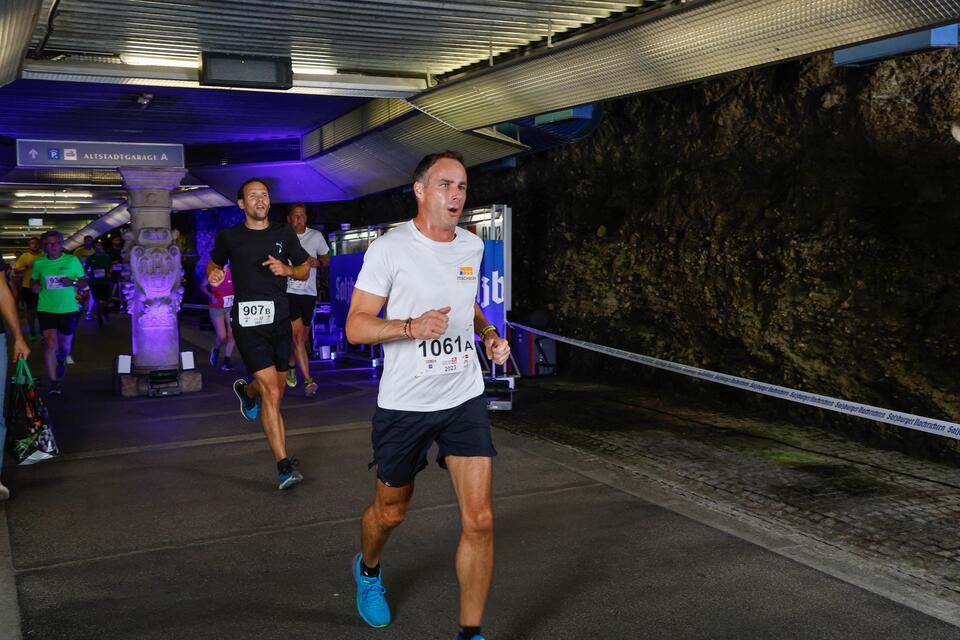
<point>909,420</point>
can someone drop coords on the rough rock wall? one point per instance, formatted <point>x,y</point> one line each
<point>798,224</point>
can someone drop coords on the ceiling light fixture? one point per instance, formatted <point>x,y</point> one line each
<point>52,194</point>
<point>150,61</point>
<point>315,71</point>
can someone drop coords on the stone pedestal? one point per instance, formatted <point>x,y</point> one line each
<point>152,274</point>
<point>132,385</point>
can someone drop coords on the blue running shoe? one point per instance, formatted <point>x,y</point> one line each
<point>249,408</point>
<point>290,476</point>
<point>460,637</point>
<point>371,604</point>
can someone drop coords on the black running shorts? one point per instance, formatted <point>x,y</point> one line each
<point>65,323</point>
<point>402,439</point>
<point>29,298</point>
<point>100,289</point>
<point>264,346</point>
<point>301,307</point>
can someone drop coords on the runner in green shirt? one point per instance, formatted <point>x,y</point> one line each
<point>55,278</point>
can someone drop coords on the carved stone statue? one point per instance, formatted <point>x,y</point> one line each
<point>153,293</point>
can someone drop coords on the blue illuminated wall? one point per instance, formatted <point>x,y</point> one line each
<point>208,222</point>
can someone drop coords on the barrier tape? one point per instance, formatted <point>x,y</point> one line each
<point>898,418</point>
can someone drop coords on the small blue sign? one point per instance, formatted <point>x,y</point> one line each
<point>53,154</point>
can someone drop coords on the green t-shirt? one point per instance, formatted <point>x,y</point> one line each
<point>54,296</point>
<point>98,267</point>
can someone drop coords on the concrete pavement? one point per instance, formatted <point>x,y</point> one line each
<point>161,520</point>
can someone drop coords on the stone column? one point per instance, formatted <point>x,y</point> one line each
<point>153,271</point>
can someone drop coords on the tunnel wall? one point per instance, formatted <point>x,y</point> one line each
<point>796,224</point>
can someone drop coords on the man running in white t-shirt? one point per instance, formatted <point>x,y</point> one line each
<point>426,272</point>
<point>302,297</point>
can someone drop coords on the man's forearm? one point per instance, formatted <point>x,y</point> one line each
<point>301,271</point>
<point>479,320</point>
<point>8,308</point>
<point>364,328</point>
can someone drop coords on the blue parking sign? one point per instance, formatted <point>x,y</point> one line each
<point>53,154</point>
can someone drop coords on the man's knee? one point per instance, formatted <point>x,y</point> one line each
<point>392,516</point>
<point>478,522</point>
<point>270,392</point>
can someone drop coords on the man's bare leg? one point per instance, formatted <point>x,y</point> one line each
<point>472,479</point>
<point>298,352</point>
<point>387,512</point>
<point>51,343</point>
<point>268,385</point>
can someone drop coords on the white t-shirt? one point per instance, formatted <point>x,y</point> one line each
<point>313,243</point>
<point>417,274</point>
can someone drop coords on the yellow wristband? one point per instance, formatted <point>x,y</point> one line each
<point>487,329</point>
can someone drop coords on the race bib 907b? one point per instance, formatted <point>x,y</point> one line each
<point>450,353</point>
<point>255,313</point>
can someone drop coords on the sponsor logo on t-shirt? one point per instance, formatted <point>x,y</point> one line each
<point>466,275</point>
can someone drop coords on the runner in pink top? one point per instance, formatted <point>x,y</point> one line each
<point>221,301</point>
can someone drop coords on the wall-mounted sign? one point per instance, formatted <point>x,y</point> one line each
<point>65,154</point>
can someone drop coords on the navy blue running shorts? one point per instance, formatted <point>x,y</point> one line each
<point>402,439</point>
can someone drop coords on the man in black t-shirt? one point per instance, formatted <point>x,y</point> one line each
<point>262,256</point>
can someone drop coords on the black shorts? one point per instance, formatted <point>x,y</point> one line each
<point>65,323</point>
<point>402,439</point>
<point>29,298</point>
<point>100,289</point>
<point>264,346</point>
<point>301,307</point>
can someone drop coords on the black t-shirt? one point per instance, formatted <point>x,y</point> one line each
<point>246,249</point>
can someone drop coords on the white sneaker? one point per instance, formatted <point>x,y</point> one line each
<point>4,493</point>
<point>69,360</point>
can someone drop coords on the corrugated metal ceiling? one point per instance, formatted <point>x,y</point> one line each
<point>638,54</point>
<point>17,18</point>
<point>385,36</point>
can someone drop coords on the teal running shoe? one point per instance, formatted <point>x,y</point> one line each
<point>460,637</point>
<point>371,604</point>
<point>250,409</point>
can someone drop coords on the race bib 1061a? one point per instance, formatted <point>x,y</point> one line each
<point>450,353</point>
<point>255,313</point>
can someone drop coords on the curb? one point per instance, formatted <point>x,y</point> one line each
<point>9,606</point>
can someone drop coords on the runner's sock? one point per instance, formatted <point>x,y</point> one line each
<point>469,632</point>
<point>283,465</point>
<point>370,572</point>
